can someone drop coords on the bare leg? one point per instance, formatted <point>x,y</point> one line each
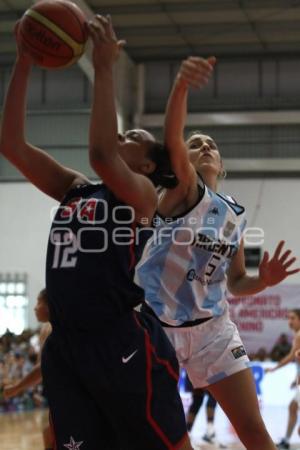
<point>237,397</point>
<point>210,414</point>
<point>48,438</point>
<point>292,420</point>
<point>186,445</point>
<point>293,412</point>
<point>198,396</point>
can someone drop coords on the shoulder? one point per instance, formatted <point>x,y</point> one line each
<point>82,189</point>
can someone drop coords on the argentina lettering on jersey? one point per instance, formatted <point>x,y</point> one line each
<point>91,258</point>
<point>184,265</point>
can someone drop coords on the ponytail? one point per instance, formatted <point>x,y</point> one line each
<point>163,174</point>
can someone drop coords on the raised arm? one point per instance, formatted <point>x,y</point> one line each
<point>130,187</point>
<point>194,72</point>
<point>35,164</point>
<point>271,271</point>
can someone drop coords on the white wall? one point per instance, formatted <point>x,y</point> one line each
<point>274,205</point>
<point>24,227</point>
<point>25,220</point>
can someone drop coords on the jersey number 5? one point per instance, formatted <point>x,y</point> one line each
<point>212,265</point>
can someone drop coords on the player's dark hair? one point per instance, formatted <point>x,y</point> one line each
<point>296,311</point>
<point>163,174</point>
<point>43,294</point>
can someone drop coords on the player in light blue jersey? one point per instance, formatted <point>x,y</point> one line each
<point>197,254</point>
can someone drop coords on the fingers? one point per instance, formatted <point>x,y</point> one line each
<point>285,256</point>
<point>121,44</point>
<point>278,249</point>
<point>265,258</point>
<point>110,28</point>
<point>212,60</point>
<point>101,28</point>
<point>292,272</point>
<point>196,71</point>
<point>97,32</point>
<point>288,263</point>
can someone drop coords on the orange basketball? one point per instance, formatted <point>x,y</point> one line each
<point>54,32</point>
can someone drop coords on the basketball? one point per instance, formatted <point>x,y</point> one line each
<point>54,32</point>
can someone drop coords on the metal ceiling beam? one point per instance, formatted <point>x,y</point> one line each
<point>263,165</point>
<point>245,51</point>
<point>171,29</point>
<point>228,119</point>
<point>209,29</point>
<point>196,5</point>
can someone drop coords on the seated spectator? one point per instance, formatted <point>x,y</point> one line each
<point>281,348</point>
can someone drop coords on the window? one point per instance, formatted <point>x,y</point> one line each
<point>13,303</point>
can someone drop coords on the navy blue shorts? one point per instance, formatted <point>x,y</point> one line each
<point>114,389</point>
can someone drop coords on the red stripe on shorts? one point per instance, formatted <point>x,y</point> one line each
<point>149,351</point>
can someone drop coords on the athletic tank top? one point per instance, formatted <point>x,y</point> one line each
<point>184,265</point>
<point>91,259</point>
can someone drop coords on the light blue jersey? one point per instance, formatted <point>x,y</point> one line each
<point>183,269</point>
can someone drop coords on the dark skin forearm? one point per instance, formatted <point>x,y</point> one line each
<point>31,379</point>
<point>103,124</point>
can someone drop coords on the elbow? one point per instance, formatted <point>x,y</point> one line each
<point>232,289</point>
<point>10,147</point>
<point>5,148</point>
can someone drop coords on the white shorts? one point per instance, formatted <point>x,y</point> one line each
<point>209,352</point>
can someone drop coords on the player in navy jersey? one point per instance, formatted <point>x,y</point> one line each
<point>109,372</point>
<point>192,260</point>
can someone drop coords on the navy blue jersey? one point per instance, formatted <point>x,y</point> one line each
<point>93,249</point>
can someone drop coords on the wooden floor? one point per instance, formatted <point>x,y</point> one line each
<point>22,431</point>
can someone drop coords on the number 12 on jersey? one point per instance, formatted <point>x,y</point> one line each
<point>65,248</point>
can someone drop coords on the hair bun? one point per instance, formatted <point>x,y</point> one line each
<point>163,174</point>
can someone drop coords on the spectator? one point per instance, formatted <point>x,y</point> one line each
<point>261,354</point>
<point>281,349</point>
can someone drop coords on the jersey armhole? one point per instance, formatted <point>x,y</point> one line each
<point>236,208</point>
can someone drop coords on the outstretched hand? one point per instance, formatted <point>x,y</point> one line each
<point>269,370</point>
<point>273,271</point>
<point>9,391</point>
<point>107,47</point>
<point>196,71</point>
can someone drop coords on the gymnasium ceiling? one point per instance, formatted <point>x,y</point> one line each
<point>171,29</point>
